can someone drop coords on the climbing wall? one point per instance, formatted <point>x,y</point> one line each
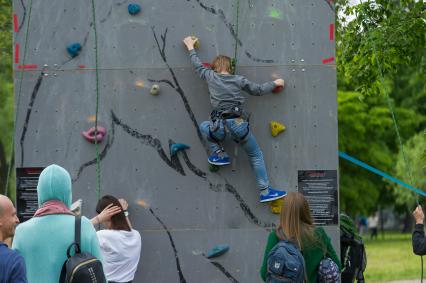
<point>179,206</point>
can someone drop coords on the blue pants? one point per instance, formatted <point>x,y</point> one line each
<point>238,128</point>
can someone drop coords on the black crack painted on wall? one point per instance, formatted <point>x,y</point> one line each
<point>107,15</point>
<point>221,15</point>
<point>222,269</point>
<point>23,16</point>
<point>179,269</point>
<point>177,86</point>
<point>28,116</point>
<point>155,143</point>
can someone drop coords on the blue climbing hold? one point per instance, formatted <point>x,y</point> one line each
<point>134,9</point>
<point>217,251</point>
<point>175,147</point>
<point>74,49</point>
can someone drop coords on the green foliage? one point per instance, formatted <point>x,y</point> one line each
<point>366,132</point>
<point>6,92</point>
<point>391,33</point>
<point>415,152</point>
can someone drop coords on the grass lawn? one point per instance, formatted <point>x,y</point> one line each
<point>391,258</point>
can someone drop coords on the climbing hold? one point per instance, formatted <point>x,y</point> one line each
<point>197,42</point>
<point>133,9</point>
<point>276,128</point>
<point>278,89</point>
<point>139,84</point>
<point>175,147</point>
<point>155,89</point>
<point>207,65</point>
<point>74,49</point>
<point>91,137</point>
<point>213,168</point>
<point>233,65</point>
<point>276,206</point>
<point>217,251</point>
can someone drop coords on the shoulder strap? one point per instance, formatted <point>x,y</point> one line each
<point>77,235</point>
<point>63,273</point>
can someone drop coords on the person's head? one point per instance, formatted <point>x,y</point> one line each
<point>8,218</point>
<point>221,64</point>
<point>295,219</point>
<point>54,184</point>
<point>118,221</point>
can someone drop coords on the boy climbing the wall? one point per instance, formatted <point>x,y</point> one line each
<point>228,115</point>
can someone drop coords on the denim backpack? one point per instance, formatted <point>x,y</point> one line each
<point>328,271</point>
<point>285,263</point>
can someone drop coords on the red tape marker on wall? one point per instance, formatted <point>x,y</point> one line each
<point>328,60</point>
<point>331,32</point>
<point>34,66</point>
<point>82,66</point>
<point>16,53</point>
<point>15,23</point>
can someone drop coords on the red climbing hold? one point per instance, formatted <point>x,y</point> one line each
<point>16,53</point>
<point>278,89</point>
<point>328,60</point>
<point>91,137</point>
<point>207,65</point>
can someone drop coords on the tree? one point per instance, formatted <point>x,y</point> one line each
<point>415,153</point>
<point>6,92</point>
<point>366,131</point>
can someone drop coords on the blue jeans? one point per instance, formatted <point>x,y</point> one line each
<point>238,128</point>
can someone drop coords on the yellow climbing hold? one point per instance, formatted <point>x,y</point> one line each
<point>197,42</point>
<point>276,206</point>
<point>276,128</point>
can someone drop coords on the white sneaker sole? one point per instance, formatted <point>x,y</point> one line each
<point>218,164</point>
<point>272,199</point>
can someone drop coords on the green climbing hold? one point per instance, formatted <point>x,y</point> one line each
<point>213,168</point>
<point>134,9</point>
<point>155,89</point>
<point>175,147</point>
<point>217,251</point>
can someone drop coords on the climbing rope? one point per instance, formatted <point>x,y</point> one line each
<point>9,167</point>
<point>391,110</point>
<point>98,167</point>
<point>234,60</point>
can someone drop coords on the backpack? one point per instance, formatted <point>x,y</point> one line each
<point>82,267</point>
<point>352,251</point>
<point>328,271</point>
<point>285,263</point>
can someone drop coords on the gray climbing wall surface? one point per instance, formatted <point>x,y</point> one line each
<point>180,207</point>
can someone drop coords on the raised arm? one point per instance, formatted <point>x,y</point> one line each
<point>202,71</point>
<point>259,89</point>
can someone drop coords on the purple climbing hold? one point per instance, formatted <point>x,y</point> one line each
<point>175,147</point>
<point>217,251</point>
<point>91,135</point>
<point>133,9</point>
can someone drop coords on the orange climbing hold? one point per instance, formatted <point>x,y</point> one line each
<point>276,128</point>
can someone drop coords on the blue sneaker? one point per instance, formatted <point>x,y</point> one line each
<point>272,195</point>
<point>219,158</point>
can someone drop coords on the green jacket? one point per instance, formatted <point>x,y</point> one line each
<point>43,241</point>
<point>312,255</point>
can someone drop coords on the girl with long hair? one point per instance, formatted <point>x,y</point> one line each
<point>120,243</point>
<point>296,225</point>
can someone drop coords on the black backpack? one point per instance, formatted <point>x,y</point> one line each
<point>81,267</point>
<point>352,251</point>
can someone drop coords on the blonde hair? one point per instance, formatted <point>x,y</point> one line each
<point>296,221</point>
<point>221,63</point>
